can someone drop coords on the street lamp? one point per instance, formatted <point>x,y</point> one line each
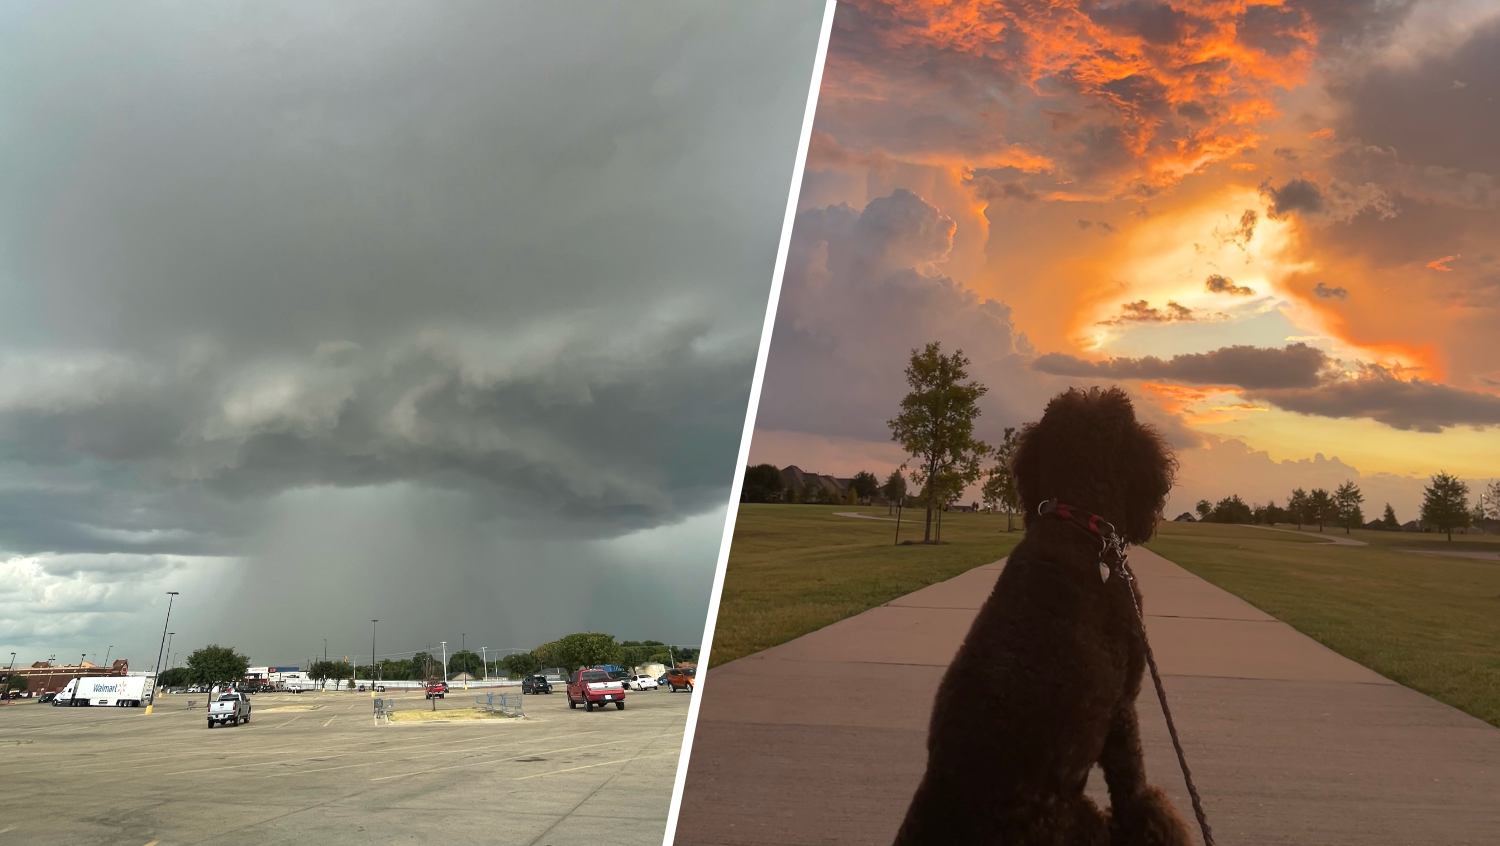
<point>484,654</point>
<point>445,661</point>
<point>107,654</point>
<point>374,665</point>
<point>172,595</point>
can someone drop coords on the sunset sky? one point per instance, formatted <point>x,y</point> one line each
<point>1275,223</point>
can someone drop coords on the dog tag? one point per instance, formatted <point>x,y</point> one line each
<point>1103,572</point>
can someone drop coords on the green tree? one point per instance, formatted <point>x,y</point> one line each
<point>763,483</point>
<point>174,677</point>
<point>1204,509</point>
<point>894,489</point>
<point>1490,498</point>
<point>1347,500</point>
<point>21,683</point>
<point>1296,507</point>
<point>1000,489</point>
<point>587,649</point>
<point>936,424</point>
<point>865,485</point>
<point>521,664</point>
<point>1321,507</point>
<point>425,666</point>
<point>466,661</point>
<point>1445,503</point>
<point>812,491</point>
<point>1389,520</point>
<point>214,664</point>
<point>318,671</point>
<point>1230,509</point>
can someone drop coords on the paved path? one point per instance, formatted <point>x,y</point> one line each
<point>1333,539</point>
<point>822,740</point>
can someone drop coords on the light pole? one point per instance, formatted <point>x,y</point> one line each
<point>445,661</point>
<point>484,654</point>
<point>107,654</point>
<point>325,650</point>
<point>172,596</point>
<point>169,658</point>
<point>372,658</point>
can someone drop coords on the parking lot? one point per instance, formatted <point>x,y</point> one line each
<point>316,767</point>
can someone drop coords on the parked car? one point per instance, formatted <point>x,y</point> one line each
<point>230,708</point>
<point>681,678</point>
<point>435,690</point>
<point>536,684</point>
<point>642,683</point>
<point>594,687</point>
<point>661,680</point>
<point>45,698</point>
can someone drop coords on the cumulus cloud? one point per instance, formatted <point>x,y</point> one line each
<point>1380,395</point>
<point>1296,195</point>
<point>862,290</point>
<point>1324,292</point>
<point>1142,311</point>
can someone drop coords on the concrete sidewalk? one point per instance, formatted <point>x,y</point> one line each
<point>822,740</point>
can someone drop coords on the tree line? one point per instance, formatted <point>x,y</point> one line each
<point>1445,507</point>
<point>216,664</point>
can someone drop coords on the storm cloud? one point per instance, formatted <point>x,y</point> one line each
<point>495,274</point>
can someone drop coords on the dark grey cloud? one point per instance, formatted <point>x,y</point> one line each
<point>1217,284</point>
<point>1302,379</point>
<point>1294,366</point>
<point>1379,395</point>
<point>1296,195</point>
<point>1438,112</point>
<point>1142,311</point>
<point>1322,291</point>
<point>494,272</point>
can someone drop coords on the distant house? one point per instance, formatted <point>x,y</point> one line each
<point>1413,526</point>
<point>796,481</point>
<point>1185,517</point>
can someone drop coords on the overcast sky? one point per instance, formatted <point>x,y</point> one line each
<point>1272,221</point>
<point>438,313</point>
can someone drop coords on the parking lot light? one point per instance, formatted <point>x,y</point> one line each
<point>156,673</point>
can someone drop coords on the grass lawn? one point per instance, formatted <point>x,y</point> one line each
<point>1430,622</point>
<point>794,569</point>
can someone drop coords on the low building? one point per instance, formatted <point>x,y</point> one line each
<point>46,677</point>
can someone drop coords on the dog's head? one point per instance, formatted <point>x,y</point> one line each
<point>1089,451</point>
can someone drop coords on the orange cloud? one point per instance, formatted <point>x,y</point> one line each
<point>1441,264</point>
<point>1183,84</point>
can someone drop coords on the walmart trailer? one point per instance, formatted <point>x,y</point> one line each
<point>118,691</point>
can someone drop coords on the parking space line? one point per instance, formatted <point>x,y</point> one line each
<point>572,769</point>
<point>153,843</point>
<point>330,721</point>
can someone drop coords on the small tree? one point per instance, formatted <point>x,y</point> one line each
<point>466,661</point>
<point>1347,500</point>
<point>763,483</point>
<point>21,683</point>
<point>174,677</point>
<point>1445,503</point>
<point>1389,520</point>
<point>864,485</point>
<point>936,423</point>
<point>1297,507</point>
<point>214,664</point>
<point>894,490</point>
<point>1000,489</point>
<point>1204,509</point>
<point>1321,507</point>
<point>1230,509</point>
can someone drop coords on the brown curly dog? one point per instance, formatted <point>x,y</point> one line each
<point>1044,685</point>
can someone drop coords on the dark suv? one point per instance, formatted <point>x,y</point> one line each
<point>536,684</point>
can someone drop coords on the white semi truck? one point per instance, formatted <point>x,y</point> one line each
<point>117,691</point>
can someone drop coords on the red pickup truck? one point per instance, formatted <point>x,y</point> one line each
<point>436,689</point>
<point>592,687</point>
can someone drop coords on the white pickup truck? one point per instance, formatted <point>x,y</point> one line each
<point>231,708</point>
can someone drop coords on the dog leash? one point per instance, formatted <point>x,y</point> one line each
<point>1111,542</point>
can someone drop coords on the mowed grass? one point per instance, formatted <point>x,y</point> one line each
<point>1428,622</point>
<point>794,569</point>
